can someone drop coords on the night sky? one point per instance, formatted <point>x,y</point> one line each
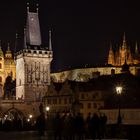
<point>81,29</point>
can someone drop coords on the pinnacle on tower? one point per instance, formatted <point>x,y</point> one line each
<point>136,48</point>
<point>50,41</point>
<point>27,7</point>
<point>124,41</point>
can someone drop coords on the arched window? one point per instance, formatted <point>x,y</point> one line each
<point>0,66</point>
<point>0,79</point>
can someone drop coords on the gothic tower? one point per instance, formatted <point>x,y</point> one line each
<point>33,62</point>
<point>111,56</point>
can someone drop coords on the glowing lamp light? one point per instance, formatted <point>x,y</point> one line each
<point>47,108</point>
<point>28,120</point>
<point>119,90</point>
<point>30,116</point>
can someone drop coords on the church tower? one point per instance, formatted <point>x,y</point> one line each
<point>111,56</point>
<point>33,62</point>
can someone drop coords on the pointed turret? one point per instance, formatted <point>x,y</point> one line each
<point>25,45</point>
<point>1,52</point>
<point>33,35</point>
<point>136,49</point>
<point>15,49</point>
<point>111,56</point>
<point>124,45</point>
<point>50,41</point>
<point>8,52</point>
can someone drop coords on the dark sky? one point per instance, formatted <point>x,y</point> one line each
<point>81,29</point>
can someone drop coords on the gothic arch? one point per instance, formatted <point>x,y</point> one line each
<point>13,113</point>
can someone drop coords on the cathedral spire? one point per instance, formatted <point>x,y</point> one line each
<point>136,48</point>
<point>124,41</point>
<point>111,55</point>
<point>50,41</point>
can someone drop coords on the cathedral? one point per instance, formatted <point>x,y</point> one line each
<point>122,54</point>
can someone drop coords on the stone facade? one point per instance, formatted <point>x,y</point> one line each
<point>33,74</point>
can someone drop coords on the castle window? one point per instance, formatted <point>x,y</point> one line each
<point>65,101</point>
<point>59,101</point>
<point>89,105</point>
<point>95,105</point>
<point>70,101</point>
<point>0,79</point>
<point>0,58</point>
<point>82,96</point>
<point>82,106</point>
<point>0,66</point>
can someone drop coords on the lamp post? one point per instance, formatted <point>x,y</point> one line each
<point>119,92</point>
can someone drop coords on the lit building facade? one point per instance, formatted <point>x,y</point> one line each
<point>122,54</point>
<point>7,67</point>
<point>33,62</point>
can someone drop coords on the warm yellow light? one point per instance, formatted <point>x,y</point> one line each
<point>28,120</point>
<point>119,89</point>
<point>47,108</point>
<point>30,116</point>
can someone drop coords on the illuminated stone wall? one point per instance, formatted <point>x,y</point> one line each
<point>86,73</point>
<point>33,74</point>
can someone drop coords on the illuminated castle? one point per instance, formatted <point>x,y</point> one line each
<point>122,54</point>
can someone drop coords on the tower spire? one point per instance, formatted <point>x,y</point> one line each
<point>124,41</point>
<point>111,55</point>
<point>136,48</point>
<point>33,34</point>
<point>16,42</point>
<point>50,41</point>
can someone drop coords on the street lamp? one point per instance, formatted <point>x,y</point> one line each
<point>47,109</point>
<point>119,92</point>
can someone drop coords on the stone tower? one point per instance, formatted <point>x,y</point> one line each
<point>33,62</point>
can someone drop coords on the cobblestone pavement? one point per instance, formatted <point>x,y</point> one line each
<point>29,135</point>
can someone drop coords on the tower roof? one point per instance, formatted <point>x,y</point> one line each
<point>33,35</point>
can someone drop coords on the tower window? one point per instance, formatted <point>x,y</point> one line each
<point>89,105</point>
<point>0,66</point>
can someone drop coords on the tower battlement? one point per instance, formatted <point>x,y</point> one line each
<point>34,53</point>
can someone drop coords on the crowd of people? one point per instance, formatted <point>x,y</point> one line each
<point>66,126</point>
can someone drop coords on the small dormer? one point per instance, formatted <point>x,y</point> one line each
<point>8,53</point>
